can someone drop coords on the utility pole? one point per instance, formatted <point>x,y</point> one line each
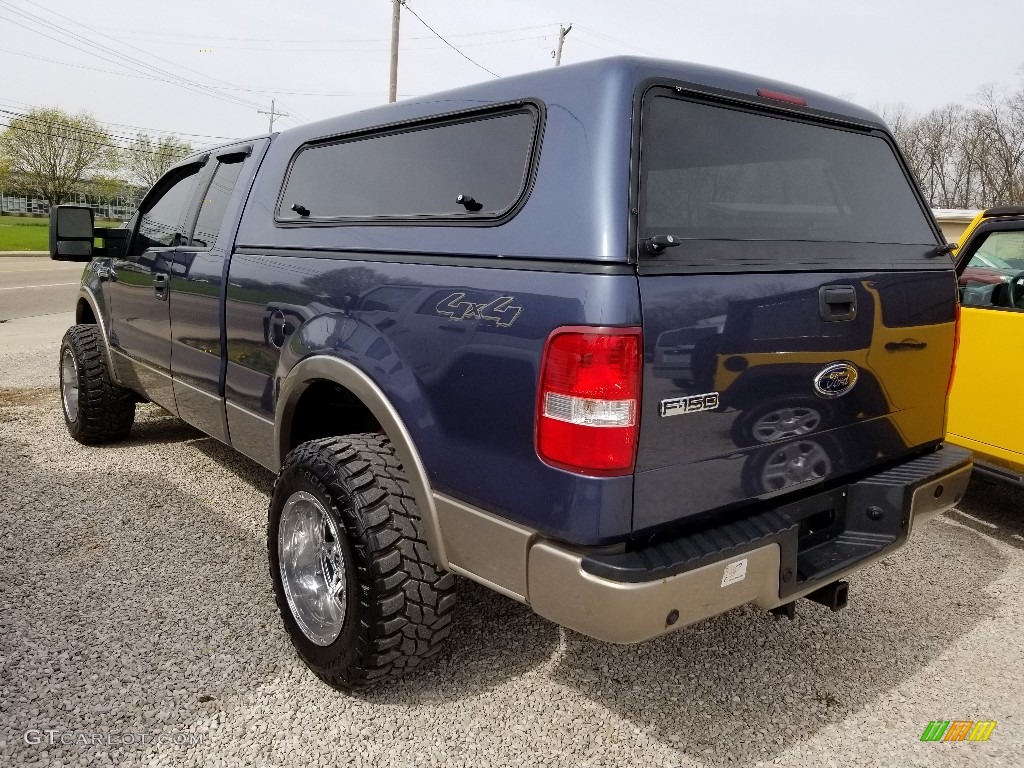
<point>396,17</point>
<point>562,32</point>
<point>273,114</point>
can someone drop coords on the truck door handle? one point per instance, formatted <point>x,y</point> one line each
<point>837,302</point>
<point>899,346</point>
<point>160,286</point>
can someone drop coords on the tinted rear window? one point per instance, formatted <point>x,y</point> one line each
<point>416,173</point>
<point>717,173</point>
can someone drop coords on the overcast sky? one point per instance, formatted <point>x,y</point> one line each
<point>119,59</point>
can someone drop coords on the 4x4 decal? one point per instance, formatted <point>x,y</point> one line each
<point>502,310</point>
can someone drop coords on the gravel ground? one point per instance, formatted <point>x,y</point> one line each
<point>135,599</point>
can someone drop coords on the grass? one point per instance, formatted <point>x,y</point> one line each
<point>25,234</point>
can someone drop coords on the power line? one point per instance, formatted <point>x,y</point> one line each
<point>295,113</point>
<point>107,53</point>
<point>234,100</point>
<point>369,46</point>
<point>136,127</point>
<point>141,50</point>
<point>12,114</point>
<point>316,40</point>
<point>95,142</point>
<point>610,39</point>
<point>439,37</point>
<point>248,89</point>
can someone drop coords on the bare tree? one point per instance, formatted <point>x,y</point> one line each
<point>963,157</point>
<point>53,151</point>
<point>1001,124</point>
<point>905,127</point>
<point>147,159</point>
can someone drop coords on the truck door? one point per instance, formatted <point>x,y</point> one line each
<point>983,412</point>
<point>138,287</point>
<point>196,283</point>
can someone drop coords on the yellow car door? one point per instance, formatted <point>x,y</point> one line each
<point>984,407</point>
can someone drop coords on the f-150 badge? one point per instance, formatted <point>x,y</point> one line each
<point>676,406</point>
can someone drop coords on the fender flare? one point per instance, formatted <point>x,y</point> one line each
<point>86,294</point>
<point>325,368</point>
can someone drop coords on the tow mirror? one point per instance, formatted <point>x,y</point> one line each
<point>71,235</point>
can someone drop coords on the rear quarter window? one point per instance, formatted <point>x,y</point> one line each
<point>416,172</point>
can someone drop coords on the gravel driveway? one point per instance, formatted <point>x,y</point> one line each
<point>135,601</point>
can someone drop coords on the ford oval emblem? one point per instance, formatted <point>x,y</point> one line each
<point>835,380</point>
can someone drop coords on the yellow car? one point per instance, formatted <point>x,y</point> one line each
<point>983,413</point>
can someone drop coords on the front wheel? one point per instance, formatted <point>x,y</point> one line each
<point>96,410</point>
<point>359,593</point>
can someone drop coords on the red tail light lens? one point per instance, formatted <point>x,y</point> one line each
<point>588,409</point>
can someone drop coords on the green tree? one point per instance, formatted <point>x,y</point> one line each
<point>105,187</point>
<point>147,159</point>
<point>53,151</point>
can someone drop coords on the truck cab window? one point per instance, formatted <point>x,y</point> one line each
<point>161,224</point>
<point>994,275</point>
<point>211,214</point>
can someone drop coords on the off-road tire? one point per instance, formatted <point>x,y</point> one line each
<point>105,411</point>
<point>399,604</point>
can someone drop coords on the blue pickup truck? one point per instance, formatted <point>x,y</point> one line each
<point>633,342</point>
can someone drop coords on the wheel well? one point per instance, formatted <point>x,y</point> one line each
<point>327,409</point>
<point>83,313</point>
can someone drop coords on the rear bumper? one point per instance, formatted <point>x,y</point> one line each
<point>769,559</point>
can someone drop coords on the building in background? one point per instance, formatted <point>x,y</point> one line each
<point>953,221</point>
<point>120,208</point>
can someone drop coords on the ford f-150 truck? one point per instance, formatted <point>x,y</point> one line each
<point>633,342</point>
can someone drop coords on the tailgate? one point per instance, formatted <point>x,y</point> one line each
<point>786,414</point>
<point>798,327</point>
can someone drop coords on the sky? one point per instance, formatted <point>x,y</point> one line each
<point>203,68</point>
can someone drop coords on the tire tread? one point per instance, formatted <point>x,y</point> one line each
<point>406,601</point>
<point>106,411</point>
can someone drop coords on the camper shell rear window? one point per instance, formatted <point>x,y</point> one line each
<point>711,171</point>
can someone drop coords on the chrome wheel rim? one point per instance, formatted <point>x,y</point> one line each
<point>785,423</point>
<point>312,567</point>
<point>795,463</point>
<point>69,385</point>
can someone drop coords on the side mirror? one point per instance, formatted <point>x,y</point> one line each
<point>71,233</point>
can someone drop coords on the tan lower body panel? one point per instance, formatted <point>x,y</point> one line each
<point>617,612</point>
<point>518,562</point>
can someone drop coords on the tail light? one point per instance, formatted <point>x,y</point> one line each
<point>588,405</point>
<point>956,351</point>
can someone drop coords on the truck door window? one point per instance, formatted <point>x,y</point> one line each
<point>160,225</point>
<point>994,275</point>
<point>211,214</point>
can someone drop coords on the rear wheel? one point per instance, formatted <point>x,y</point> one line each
<point>359,593</point>
<point>96,410</point>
